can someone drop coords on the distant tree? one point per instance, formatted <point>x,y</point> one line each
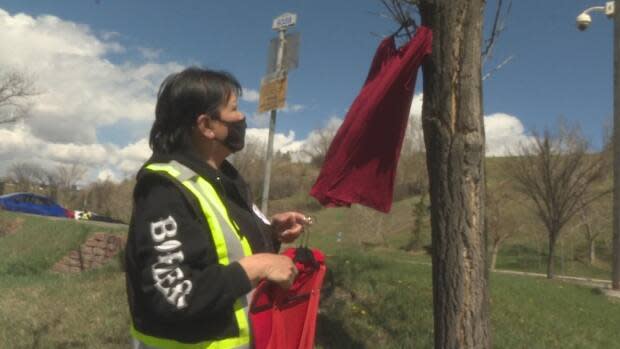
<point>420,214</point>
<point>612,155</point>
<point>502,222</point>
<point>593,220</point>
<point>411,176</point>
<point>98,197</point>
<point>25,175</point>
<point>67,178</point>
<point>559,176</point>
<point>317,145</point>
<point>29,176</point>
<point>250,162</point>
<point>69,175</point>
<point>15,90</point>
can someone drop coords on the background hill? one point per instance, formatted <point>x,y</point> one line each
<point>379,295</point>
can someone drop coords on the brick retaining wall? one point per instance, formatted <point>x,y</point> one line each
<point>94,253</point>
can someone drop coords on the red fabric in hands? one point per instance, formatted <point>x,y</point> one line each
<point>286,319</point>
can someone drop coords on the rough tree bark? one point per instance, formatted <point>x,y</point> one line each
<point>455,143</point>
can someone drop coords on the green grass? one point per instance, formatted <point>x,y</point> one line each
<point>379,302</point>
<point>42,309</point>
<point>65,311</point>
<point>380,297</point>
<point>523,257</point>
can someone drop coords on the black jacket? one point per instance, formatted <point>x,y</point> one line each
<point>207,312</point>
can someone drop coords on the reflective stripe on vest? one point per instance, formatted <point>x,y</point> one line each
<point>229,246</point>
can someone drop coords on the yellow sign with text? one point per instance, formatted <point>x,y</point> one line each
<point>272,94</point>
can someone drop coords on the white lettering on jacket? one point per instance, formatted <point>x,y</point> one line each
<point>168,276</point>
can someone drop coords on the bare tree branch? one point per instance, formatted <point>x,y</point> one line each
<point>496,29</point>
<point>497,67</point>
<point>15,90</point>
<point>561,178</point>
<point>400,11</point>
<point>502,223</point>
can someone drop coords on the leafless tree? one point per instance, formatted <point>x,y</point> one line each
<point>559,176</point>
<point>502,222</point>
<point>69,175</point>
<point>420,217</point>
<point>318,143</point>
<point>30,176</point>
<point>593,219</point>
<point>15,90</point>
<point>250,162</point>
<point>67,178</point>
<point>26,175</point>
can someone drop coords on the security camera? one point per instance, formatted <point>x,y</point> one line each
<point>583,21</point>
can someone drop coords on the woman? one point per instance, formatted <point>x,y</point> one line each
<point>197,245</point>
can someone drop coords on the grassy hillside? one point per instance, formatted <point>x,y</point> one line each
<point>379,297</point>
<point>41,309</point>
<point>384,302</point>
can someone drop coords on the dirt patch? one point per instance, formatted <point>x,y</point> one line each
<point>97,251</point>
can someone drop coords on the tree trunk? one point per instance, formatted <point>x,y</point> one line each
<point>550,260</point>
<point>592,248</point>
<point>494,252</point>
<point>454,138</point>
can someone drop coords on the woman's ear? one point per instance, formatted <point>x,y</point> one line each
<point>203,124</point>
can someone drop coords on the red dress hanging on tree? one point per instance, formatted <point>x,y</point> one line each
<point>360,164</point>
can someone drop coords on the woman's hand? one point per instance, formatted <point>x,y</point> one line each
<point>287,226</point>
<point>273,267</point>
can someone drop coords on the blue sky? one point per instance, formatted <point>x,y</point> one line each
<point>99,64</point>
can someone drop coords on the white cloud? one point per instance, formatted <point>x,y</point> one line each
<point>19,144</point>
<point>80,89</point>
<point>249,95</point>
<point>149,54</point>
<point>109,35</point>
<point>262,119</point>
<point>292,108</point>
<point>107,175</point>
<point>281,142</point>
<point>503,134</point>
<point>259,119</point>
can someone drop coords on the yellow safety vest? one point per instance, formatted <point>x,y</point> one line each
<point>229,246</point>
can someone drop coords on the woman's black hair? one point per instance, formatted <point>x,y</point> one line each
<point>182,97</point>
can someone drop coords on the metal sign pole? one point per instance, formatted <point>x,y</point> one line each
<point>272,129</point>
<point>615,277</point>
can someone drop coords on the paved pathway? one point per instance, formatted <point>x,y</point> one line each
<point>603,284</point>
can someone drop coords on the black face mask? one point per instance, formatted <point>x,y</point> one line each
<point>235,140</point>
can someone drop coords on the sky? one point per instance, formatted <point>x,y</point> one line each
<point>97,65</point>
